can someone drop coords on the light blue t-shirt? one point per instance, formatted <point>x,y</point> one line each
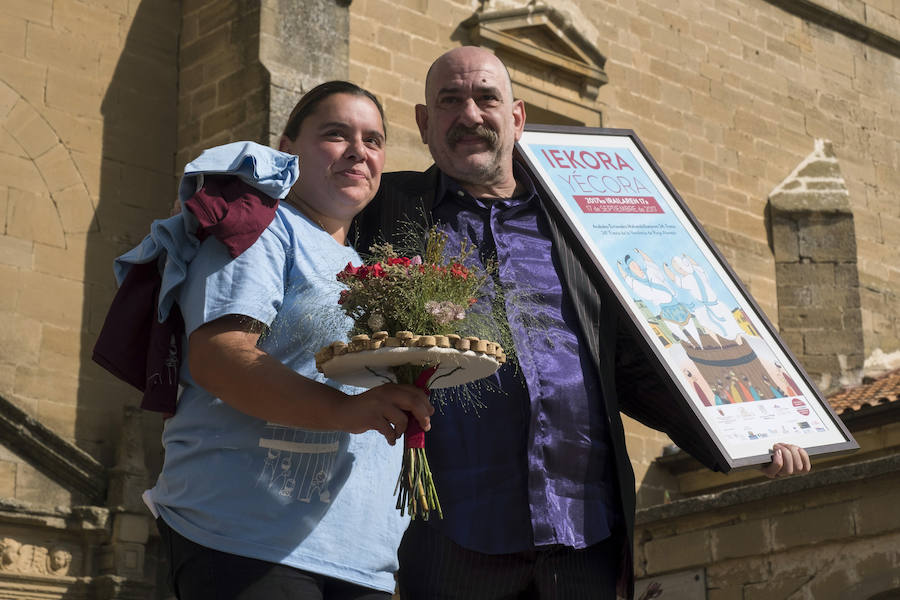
<point>318,501</point>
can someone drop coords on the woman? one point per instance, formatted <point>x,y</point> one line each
<point>276,485</point>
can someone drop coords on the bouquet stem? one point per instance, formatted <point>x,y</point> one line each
<point>415,485</point>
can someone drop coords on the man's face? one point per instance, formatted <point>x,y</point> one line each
<point>471,122</point>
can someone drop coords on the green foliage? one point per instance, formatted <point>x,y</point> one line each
<point>433,295</point>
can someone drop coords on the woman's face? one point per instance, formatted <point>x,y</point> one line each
<point>341,150</point>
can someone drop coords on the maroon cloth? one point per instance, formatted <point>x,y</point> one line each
<point>414,437</point>
<point>232,211</point>
<point>133,345</point>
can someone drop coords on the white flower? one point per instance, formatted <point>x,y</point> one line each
<point>376,321</point>
<point>444,312</point>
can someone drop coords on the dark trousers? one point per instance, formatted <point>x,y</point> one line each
<point>432,567</point>
<point>201,573</point>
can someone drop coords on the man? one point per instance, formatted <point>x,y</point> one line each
<point>536,488</point>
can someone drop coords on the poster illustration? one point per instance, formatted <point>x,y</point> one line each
<point>711,339</point>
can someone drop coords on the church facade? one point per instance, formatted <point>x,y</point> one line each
<point>776,121</point>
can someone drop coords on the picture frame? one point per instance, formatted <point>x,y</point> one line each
<point>702,329</point>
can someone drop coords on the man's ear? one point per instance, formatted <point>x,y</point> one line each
<point>518,108</point>
<point>422,121</point>
<point>284,144</point>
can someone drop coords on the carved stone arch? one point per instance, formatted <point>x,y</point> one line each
<point>555,66</point>
<point>47,196</point>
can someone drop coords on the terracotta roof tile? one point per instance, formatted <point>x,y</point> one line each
<point>884,390</point>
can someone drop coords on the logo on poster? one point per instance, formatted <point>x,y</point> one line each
<point>801,406</point>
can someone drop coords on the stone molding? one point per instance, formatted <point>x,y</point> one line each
<point>63,461</point>
<point>814,12</point>
<point>771,489</point>
<point>574,53</point>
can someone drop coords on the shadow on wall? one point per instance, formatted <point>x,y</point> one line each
<point>137,185</point>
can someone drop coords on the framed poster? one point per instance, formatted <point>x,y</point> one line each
<point>708,336</point>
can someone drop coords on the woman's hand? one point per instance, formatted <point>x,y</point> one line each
<point>386,409</point>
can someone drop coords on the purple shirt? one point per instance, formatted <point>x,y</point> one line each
<point>532,466</point>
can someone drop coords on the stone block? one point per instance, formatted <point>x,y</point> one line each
<point>238,86</point>
<point>34,217</point>
<point>26,77</point>
<point>128,527</point>
<point>30,129</point>
<point>7,479</point>
<point>878,514</point>
<point>57,169</point>
<point>63,50</point>
<point>51,299</point>
<point>57,394</point>
<point>776,587</point>
<point>204,47</point>
<point>22,174</point>
<point>123,559</point>
<point>812,526</point>
<point>14,252</point>
<point>80,135</point>
<point>746,538</point>
<point>679,551</point>
<point>20,340</point>
<point>60,349</point>
<point>74,92</point>
<point>34,11</point>
<point>834,342</point>
<point>213,15</point>
<point>828,240</point>
<point>35,487</point>
<point>380,58</point>
<point>790,317</point>
<point>222,120</point>
<point>75,209</point>
<point>87,20</point>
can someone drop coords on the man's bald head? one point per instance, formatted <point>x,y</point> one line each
<point>465,55</point>
<point>471,121</point>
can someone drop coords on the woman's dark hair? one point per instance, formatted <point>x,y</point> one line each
<point>315,96</point>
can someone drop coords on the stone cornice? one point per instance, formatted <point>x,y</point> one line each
<point>818,14</point>
<point>67,464</point>
<point>774,488</point>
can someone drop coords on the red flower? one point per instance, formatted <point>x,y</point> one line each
<point>343,298</point>
<point>458,270</point>
<point>403,261</point>
<point>349,272</point>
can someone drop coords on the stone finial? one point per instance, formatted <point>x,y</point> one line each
<point>815,185</point>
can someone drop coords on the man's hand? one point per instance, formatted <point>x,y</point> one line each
<point>787,459</point>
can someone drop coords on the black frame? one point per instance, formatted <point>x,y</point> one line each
<point>725,461</point>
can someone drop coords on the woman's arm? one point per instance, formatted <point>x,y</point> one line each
<point>225,360</point>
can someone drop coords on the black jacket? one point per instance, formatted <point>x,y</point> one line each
<point>629,381</point>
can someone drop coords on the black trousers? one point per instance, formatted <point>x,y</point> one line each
<point>433,567</point>
<point>201,573</point>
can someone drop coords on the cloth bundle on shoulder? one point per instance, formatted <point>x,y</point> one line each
<point>230,192</point>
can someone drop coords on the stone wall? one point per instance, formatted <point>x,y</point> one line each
<point>87,139</point>
<point>223,90</point>
<point>831,535</point>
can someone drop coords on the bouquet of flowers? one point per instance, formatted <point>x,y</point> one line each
<point>426,303</point>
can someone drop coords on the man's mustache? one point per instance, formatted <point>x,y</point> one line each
<point>457,132</point>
